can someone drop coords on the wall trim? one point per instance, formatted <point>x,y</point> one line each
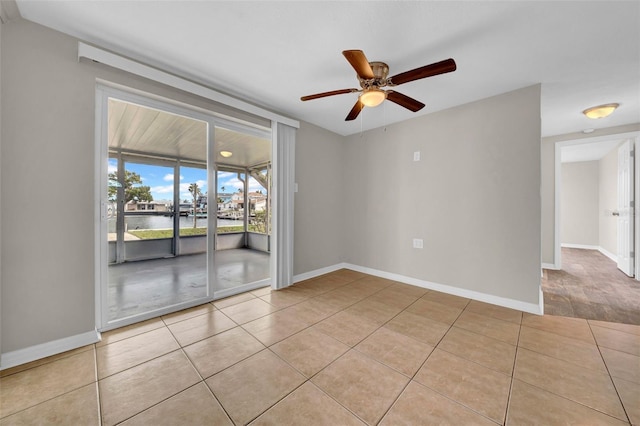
<point>550,266</point>
<point>579,246</point>
<point>318,272</point>
<point>607,253</point>
<point>601,249</point>
<point>43,350</point>
<point>532,308</point>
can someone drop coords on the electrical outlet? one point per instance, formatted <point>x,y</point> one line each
<point>417,243</point>
<point>416,156</point>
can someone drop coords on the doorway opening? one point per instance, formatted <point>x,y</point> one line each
<point>164,241</point>
<point>593,188</point>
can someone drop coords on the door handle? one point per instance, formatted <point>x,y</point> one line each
<point>616,213</point>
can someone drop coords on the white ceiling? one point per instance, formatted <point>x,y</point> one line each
<point>584,53</point>
<point>587,151</point>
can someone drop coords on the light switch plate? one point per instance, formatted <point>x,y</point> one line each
<point>416,156</point>
<point>417,243</point>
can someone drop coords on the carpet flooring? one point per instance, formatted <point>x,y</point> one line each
<point>590,286</point>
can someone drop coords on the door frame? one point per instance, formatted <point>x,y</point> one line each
<point>105,90</point>
<point>635,138</point>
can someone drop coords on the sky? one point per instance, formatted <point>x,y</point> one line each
<point>160,179</point>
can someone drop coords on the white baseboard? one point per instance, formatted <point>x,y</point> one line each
<point>456,291</point>
<point>43,350</point>
<point>608,254</point>
<point>602,250</point>
<point>579,246</point>
<point>550,266</point>
<point>316,273</point>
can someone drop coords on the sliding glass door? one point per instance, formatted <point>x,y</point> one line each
<point>185,209</point>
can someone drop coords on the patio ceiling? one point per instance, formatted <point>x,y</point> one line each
<point>142,130</point>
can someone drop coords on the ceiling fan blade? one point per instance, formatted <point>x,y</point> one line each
<point>442,67</point>
<point>404,101</point>
<point>355,111</point>
<point>325,94</point>
<point>359,63</point>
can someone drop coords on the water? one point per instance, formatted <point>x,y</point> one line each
<point>166,222</point>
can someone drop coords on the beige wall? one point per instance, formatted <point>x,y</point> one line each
<point>474,198</point>
<point>608,202</point>
<point>579,222</point>
<point>547,183</point>
<point>319,225</point>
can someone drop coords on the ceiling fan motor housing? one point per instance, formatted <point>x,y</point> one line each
<point>380,72</point>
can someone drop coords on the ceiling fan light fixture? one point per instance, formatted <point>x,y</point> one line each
<point>373,97</point>
<point>600,111</point>
<point>226,154</point>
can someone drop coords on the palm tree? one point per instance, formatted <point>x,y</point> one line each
<point>195,192</point>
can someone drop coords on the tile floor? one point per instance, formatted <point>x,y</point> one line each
<point>341,349</point>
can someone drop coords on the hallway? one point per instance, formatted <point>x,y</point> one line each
<point>590,286</point>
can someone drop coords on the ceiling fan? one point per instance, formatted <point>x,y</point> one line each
<point>373,77</point>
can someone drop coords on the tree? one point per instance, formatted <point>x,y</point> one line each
<point>195,193</point>
<point>131,192</point>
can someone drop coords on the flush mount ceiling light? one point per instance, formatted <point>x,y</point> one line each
<point>600,111</point>
<point>226,154</point>
<point>372,97</point>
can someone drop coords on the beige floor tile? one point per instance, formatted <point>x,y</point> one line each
<point>418,327</point>
<point>233,300</point>
<point>307,405</point>
<point>347,328</point>
<point>575,328</point>
<point>362,385</point>
<point>275,327</point>
<point>42,361</point>
<point>495,311</point>
<point>129,331</point>
<point>35,385</point>
<point>136,389</point>
<point>283,298</point>
<point>446,299</point>
<point>78,407</point>
<point>627,328</point>
<point>312,311</point>
<point>402,353</point>
<point>391,297</point>
<point>187,313</point>
<point>200,327</point>
<point>407,290</point>
<point>630,395</point>
<point>618,340</point>
<point>262,291</point>
<point>218,352</point>
<point>492,353</point>
<point>373,310</point>
<point>419,405</point>
<point>579,384</point>
<point>561,347</point>
<point>479,388</point>
<point>530,405</point>
<point>309,351</point>
<point>494,328</point>
<point>253,385</point>
<point>622,365</point>
<point>348,274</point>
<point>250,310</point>
<point>339,299</point>
<point>434,310</point>
<point>194,406</point>
<point>123,354</point>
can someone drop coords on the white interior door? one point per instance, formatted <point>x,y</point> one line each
<point>626,208</point>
